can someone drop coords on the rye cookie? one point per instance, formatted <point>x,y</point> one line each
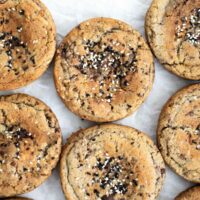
<point>190,194</point>
<point>27,42</point>
<point>30,143</point>
<point>173,32</point>
<point>179,133</point>
<point>111,162</point>
<point>104,70</point>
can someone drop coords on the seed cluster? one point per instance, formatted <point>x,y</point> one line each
<point>9,43</point>
<point>105,64</point>
<point>17,134</point>
<point>13,46</point>
<point>113,175</point>
<point>190,27</point>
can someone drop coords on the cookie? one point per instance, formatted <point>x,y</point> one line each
<point>173,32</point>
<point>190,194</point>
<point>179,133</point>
<point>111,162</point>
<point>104,70</point>
<point>30,143</point>
<point>27,42</point>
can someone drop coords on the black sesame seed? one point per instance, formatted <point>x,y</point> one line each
<point>6,21</point>
<point>135,182</point>
<point>87,194</point>
<point>108,97</point>
<point>25,68</point>
<point>95,174</point>
<point>25,169</point>
<point>120,157</point>
<point>87,95</point>
<point>64,51</point>
<point>32,59</point>
<point>96,192</point>
<point>129,106</point>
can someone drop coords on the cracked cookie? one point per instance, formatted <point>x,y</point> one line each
<point>179,133</point>
<point>111,162</point>
<point>27,42</point>
<point>173,32</point>
<point>104,70</point>
<point>30,143</point>
<point>190,194</point>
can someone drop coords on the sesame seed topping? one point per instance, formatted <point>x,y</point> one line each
<point>16,134</point>
<point>106,64</point>
<point>112,176</point>
<point>13,45</point>
<point>190,27</point>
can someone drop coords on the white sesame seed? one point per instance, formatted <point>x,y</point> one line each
<point>198,146</point>
<point>35,41</point>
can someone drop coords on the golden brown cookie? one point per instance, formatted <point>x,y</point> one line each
<point>179,133</point>
<point>173,32</point>
<point>104,70</point>
<point>27,42</point>
<point>190,194</point>
<point>30,143</point>
<point>111,162</point>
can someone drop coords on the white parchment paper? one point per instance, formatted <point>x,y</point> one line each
<point>67,14</point>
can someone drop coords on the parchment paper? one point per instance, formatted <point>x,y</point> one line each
<point>67,14</point>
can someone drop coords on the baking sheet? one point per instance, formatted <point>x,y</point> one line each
<point>67,14</point>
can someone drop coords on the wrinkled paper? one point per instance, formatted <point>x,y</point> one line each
<point>67,14</point>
